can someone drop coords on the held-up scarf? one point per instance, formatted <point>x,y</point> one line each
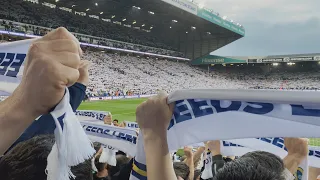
<point>72,146</point>
<point>91,115</point>
<point>123,139</point>
<point>202,115</point>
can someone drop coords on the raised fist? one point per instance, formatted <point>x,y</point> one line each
<point>52,65</point>
<point>154,115</point>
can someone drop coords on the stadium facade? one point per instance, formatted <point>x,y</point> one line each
<point>292,58</point>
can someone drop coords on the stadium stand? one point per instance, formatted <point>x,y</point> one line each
<point>117,74</point>
<point>38,20</point>
<point>156,28</point>
<point>148,75</point>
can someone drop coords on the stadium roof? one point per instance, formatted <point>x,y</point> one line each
<point>193,35</point>
<point>290,58</point>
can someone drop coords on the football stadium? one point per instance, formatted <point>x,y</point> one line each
<point>230,112</point>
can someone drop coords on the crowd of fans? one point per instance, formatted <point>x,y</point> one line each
<point>116,75</point>
<point>38,20</point>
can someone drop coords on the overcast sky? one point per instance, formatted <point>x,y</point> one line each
<point>272,26</point>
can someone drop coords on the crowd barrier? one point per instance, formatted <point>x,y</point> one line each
<point>119,97</point>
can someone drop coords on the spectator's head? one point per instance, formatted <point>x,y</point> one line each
<point>122,160</point>
<point>28,161</point>
<point>116,122</point>
<point>181,169</point>
<point>101,167</point>
<point>197,174</point>
<point>97,146</point>
<point>256,165</point>
<point>107,119</point>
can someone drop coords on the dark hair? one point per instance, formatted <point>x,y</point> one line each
<point>256,165</point>
<point>100,166</point>
<point>197,173</point>
<point>267,160</point>
<point>96,146</point>
<point>121,153</point>
<point>28,161</point>
<point>181,169</point>
<point>121,161</point>
<point>116,120</point>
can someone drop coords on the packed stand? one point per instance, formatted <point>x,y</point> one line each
<point>117,75</point>
<point>113,72</point>
<point>47,18</point>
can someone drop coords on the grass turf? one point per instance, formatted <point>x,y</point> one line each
<point>124,110</point>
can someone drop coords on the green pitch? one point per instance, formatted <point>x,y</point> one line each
<point>124,110</point>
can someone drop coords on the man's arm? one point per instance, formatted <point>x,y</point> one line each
<point>51,65</point>
<point>297,152</point>
<point>217,159</point>
<point>14,119</point>
<point>197,155</point>
<point>189,161</point>
<point>153,117</point>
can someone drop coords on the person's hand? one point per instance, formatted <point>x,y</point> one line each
<point>214,147</point>
<point>51,65</point>
<point>154,115</point>
<point>122,124</point>
<point>187,151</point>
<point>84,72</point>
<point>297,147</point>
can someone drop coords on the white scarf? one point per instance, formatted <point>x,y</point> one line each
<point>232,114</point>
<point>72,146</point>
<point>122,139</point>
<point>91,115</point>
<point>108,155</point>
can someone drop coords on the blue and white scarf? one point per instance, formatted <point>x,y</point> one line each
<point>123,139</point>
<point>12,59</point>
<point>202,115</point>
<point>91,115</point>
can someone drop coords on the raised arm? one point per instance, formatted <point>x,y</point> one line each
<point>153,117</point>
<point>189,161</point>
<point>217,159</point>
<point>197,155</point>
<point>297,152</point>
<point>51,65</point>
